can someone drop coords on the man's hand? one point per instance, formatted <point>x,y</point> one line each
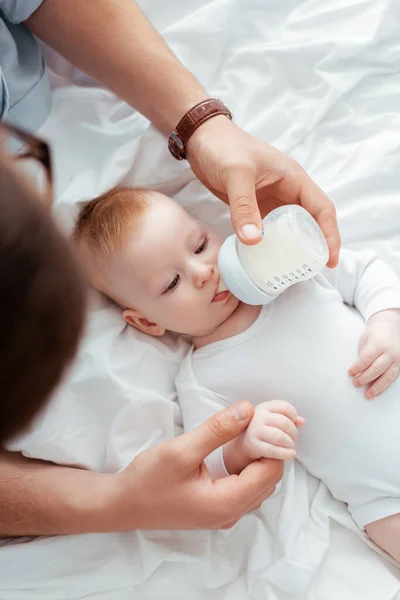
<point>169,487</point>
<point>271,433</point>
<point>165,487</point>
<point>254,177</point>
<point>231,163</point>
<point>378,364</point>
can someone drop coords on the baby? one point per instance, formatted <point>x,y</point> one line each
<point>316,345</point>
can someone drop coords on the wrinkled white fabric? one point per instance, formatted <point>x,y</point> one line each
<point>321,81</point>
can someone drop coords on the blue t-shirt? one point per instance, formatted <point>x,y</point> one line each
<point>25,96</point>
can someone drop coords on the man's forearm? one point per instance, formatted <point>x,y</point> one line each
<point>39,498</point>
<point>112,41</point>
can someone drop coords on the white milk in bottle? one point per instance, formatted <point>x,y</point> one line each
<point>293,249</point>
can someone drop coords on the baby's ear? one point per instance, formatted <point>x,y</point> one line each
<point>135,318</point>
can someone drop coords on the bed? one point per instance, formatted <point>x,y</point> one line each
<point>321,81</point>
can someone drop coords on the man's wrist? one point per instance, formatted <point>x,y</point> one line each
<point>97,506</point>
<point>193,120</point>
<point>209,130</point>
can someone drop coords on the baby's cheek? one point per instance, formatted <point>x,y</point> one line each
<point>195,313</point>
<point>186,308</point>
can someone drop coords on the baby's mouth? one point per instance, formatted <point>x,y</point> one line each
<point>221,293</point>
<point>221,286</point>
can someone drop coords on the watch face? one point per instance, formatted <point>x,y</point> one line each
<point>176,146</point>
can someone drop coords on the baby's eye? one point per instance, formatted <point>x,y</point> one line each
<point>173,284</point>
<point>202,246</point>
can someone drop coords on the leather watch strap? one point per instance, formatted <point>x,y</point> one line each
<point>191,121</point>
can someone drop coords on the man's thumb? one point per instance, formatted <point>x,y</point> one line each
<point>216,431</point>
<point>245,214</point>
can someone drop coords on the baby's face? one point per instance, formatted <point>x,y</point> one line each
<point>167,273</point>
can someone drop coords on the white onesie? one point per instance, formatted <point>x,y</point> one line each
<point>299,349</point>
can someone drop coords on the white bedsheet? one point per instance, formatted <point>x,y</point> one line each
<point>321,81</point>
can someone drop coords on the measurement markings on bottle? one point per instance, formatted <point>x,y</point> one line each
<point>288,278</point>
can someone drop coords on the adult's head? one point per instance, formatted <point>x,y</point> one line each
<point>42,300</point>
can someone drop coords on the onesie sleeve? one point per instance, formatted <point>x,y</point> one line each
<point>365,281</point>
<point>197,405</point>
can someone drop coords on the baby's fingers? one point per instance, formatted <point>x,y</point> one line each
<point>276,436</point>
<point>268,450</point>
<point>368,354</point>
<point>284,408</point>
<point>378,367</point>
<point>284,424</point>
<point>383,382</point>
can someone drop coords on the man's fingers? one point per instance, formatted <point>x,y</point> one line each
<point>258,480</point>
<point>254,484</point>
<point>383,381</point>
<point>367,356</point>
<point>379,366</point>
<point>193,447</point>
<point>236,495</point>
<point>245,214</point>
<point>313,199</point>
<point>257,502</point>
<point>326,219</point>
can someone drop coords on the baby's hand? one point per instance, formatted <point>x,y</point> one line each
<point>378,364</point>
<point>271,433</point>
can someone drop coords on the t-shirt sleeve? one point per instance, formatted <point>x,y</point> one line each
<point>365,281</point>
<point>17,11</point>
<point>4,96</point>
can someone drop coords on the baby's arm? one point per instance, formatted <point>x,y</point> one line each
<point>365,281</point>
<point>373,288</point>
<point>378,364</point>
<point>271,433</point>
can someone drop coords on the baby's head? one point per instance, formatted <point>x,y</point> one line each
<point>146,253</point>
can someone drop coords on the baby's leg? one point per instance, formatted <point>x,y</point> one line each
<point>386,534</point>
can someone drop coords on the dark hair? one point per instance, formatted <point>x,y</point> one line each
<point>42,303</point>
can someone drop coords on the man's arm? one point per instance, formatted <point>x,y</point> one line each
<point>165,487</point>
<point>39,498</point>
<point>115,43</point>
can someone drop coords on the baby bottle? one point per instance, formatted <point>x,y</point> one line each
<point>293,249</point>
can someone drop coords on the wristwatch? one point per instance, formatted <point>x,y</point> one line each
<point>196,116</point>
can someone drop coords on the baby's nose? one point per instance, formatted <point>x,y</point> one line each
<point>203,274</point>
